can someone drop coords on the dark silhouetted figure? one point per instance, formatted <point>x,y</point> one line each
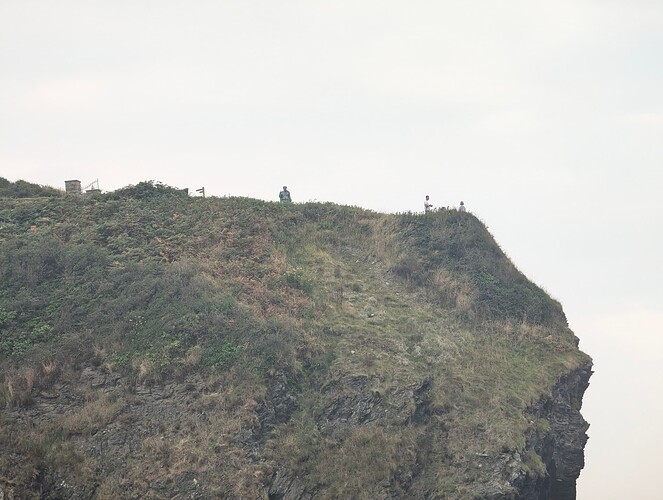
<point>284,196</point>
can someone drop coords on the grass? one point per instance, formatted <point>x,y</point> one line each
<point>233,292</point>
<point>95,415</point>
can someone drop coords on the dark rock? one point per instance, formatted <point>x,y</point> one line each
<point>562,447</point>
<point>93,377</point>
<point>346,402</point>
<point>155,393</point>
<point>285,486</point>
<point>277,407</point>
<point>355,402</point>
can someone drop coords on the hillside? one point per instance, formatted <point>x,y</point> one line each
<point>154,345</point>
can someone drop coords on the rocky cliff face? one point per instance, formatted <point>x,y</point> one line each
<point>561,447</point>
<point>153,416</point>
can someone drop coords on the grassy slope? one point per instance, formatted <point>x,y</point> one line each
<point>159,286</point>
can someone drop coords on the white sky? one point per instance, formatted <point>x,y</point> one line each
<point>546,118</point>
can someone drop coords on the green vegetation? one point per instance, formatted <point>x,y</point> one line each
<point>155,286</point>
<point>454,251</point>
<point>23,189</point>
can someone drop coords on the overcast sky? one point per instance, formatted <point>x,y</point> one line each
<point>546,118</point>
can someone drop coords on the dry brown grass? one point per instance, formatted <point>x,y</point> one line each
<point>112,487</point>
<point>94,415</point>
<point>384,242</point>
<point>362,464</point>
<point>455,293</point>
<point>19,385</point>
<point>49,368</point>
<point>194,356</point>
<point>205,442</point>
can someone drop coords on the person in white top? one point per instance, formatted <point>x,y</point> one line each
<point>428,206</point>
<point>462,207</point>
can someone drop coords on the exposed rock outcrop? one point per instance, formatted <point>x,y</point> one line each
<point>557,437</point>
<point>547,469</point>
<point>561,447</point>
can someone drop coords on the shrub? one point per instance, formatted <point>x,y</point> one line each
<point>410,268</point>
<point>17,386</point>
<point>300,279</point>
<point>23,189</point>
<point>220,354</point>
<point>146,190</point>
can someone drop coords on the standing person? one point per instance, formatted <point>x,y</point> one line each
<point>462,207</point>
<point>428,206</point>
<point>284,196</point>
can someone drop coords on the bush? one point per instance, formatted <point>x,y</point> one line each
<point>220,354</point>
<point>148,189</point>
<point>23,189</point>
<point>410,268</point>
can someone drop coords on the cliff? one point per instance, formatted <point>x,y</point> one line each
<point>154,345</point>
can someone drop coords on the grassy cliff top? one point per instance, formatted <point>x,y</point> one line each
<point>157,286</point>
